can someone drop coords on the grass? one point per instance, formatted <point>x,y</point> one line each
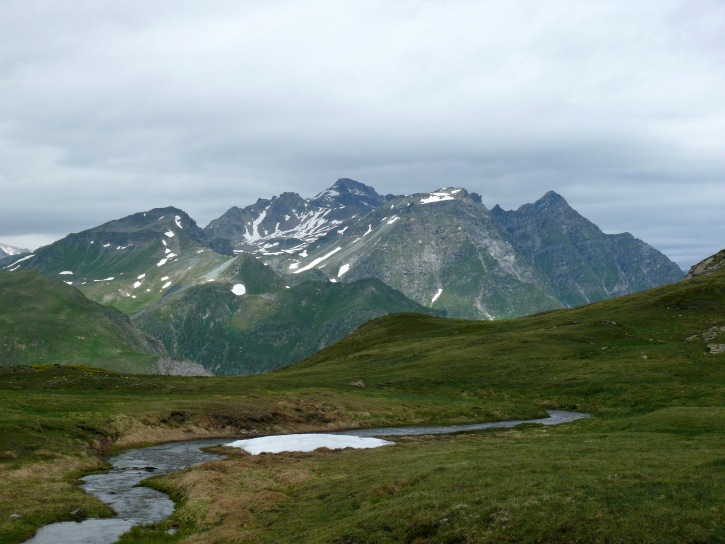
<point>648,468</point>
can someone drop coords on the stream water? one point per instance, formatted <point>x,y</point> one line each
<point>142,505</point>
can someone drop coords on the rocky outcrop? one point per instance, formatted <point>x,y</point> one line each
<point>708,266</point>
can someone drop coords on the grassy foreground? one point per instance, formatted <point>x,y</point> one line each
<point>650,467</point>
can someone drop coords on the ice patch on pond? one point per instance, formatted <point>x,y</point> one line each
<point>306,442</point>
<point>239,289</point>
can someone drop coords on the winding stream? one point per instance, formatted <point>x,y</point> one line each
<point>143,505</point>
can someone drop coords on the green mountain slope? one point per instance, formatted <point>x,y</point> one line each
<point>130,262</point>
<point>47,322</point>
<point>264,325</point>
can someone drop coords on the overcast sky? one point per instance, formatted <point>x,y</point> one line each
<point>108,108</point>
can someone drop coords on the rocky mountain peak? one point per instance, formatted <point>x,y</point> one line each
<point>6,250</point>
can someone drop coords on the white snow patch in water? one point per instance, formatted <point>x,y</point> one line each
<point>318,260</point>
<point>435,297</point>
<point>436,197</point>
<point>65,273</point>
<point>344,268</point>
<point>306,442</point>
<point>177,219</point>
<point>239,289</point>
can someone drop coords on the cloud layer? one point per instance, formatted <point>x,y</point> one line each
<point>107,109</point>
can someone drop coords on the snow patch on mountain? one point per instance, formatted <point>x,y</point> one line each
<point>435,297</point>
<point>65,273</point>
<point>318,260</point>
<point>17,263</point>
<point>11,250</point>
<point>239,289</point>
<point>169,233</point>
<point>344,268</point>
<point>436,197</point>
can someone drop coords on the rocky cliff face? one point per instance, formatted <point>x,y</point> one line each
<point>581,264</point>
<point>442,249</point>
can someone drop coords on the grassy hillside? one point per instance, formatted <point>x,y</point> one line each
<point>649,467</point>
<point>46,321</point>
<point>618,356</point>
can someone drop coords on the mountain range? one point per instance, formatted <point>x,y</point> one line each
<point>271,283</point>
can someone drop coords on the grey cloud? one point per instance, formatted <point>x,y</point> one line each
<point>108,109</point>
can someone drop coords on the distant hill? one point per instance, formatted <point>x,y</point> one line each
<point>43,321</point>
<point>249,321</point>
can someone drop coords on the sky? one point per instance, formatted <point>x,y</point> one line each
<point>111,108</point>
